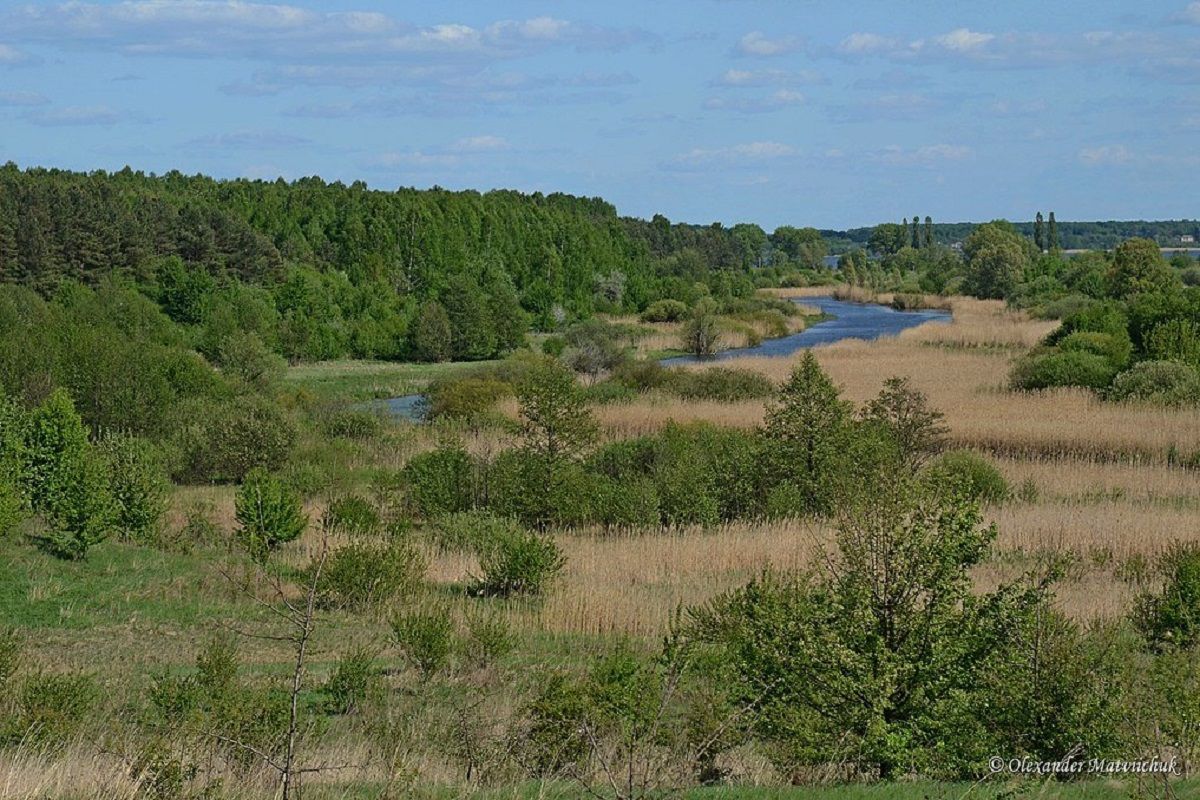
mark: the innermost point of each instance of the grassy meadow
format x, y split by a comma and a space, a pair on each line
1098, 483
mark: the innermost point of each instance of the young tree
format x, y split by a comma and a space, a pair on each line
1138, 266
807, 429
870, 661
269, 514
555, 421
702, 331
432, 339
65, 480
904, 413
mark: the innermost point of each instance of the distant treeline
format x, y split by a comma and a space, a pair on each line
1071, 235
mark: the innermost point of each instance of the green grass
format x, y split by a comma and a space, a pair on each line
356, 381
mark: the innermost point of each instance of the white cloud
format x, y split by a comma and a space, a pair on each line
865, 43
11, 56
745, 78
1191, 14
480, 144
963, 40
248, 140
926, 155
750, 153
1105, 155
781, 98
756, 43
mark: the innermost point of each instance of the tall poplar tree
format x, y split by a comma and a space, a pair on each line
1039, 232
1052, 234
916, 233
928, 232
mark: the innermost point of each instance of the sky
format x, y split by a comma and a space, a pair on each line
799, 112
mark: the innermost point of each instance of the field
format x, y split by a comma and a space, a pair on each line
1096, 482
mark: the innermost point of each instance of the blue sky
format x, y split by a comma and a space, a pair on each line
787, 112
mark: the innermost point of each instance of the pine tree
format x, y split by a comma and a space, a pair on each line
1039, 232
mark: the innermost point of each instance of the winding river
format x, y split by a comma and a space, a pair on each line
850, 321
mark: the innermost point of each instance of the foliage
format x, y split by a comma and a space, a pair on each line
1138, 266
904, 413
354, 679
970, 474
489, 637
807, 429
468, 398
440, 481
857, 665
702, 331
351, 514
1171, 616
225, 442
665, 311
1062, 368
362, 575
269, 514
723, 384
426, 638
51, 708
517, 562
138, 484
1164, 382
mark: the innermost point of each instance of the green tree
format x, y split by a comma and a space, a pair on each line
472, 335
268, 514
997, 257
918, 430
928, 232
1052, 234
65, 480
432, 338
1039, 233
807, 429
1138, 267
702, 332
888, 238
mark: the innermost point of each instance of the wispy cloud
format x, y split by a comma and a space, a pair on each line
22, 99
782, 98
755, 78
747, 154
248, 140
11, 56
927, 155
757, 43
76, 115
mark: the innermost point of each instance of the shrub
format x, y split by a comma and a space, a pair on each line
665, 311
14, 505
554, 731
360, 576
464, 398
349, 423
51, 708
554, 346
245, 357
269, 514
352, 514
517, 562
1171, 617
354, 680
440, 481
426, 639
642, 375
467, 531
970, 473
1105, 317
1056, 368
1064, 307
1116, 349
1164, 382
625, 503
12, 649
723, 384
1175, 340
225, 441
138, 484
489, 637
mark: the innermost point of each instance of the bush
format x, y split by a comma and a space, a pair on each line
1175, 340
352, 515
1116, 349
269, 514
489, 637
627, 503
1057, 368
467, 531
51, 708
665, 311
1167, 383
225, 441
348, 423
12, 650
554, 346
723, 384
642, 375
360, 576
517, 562
426, 639
354, 680
970, 473
1105, 317
138, 484
440, 481
464, 398
1171, 617
1064, 307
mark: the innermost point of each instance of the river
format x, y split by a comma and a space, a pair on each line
850, 321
